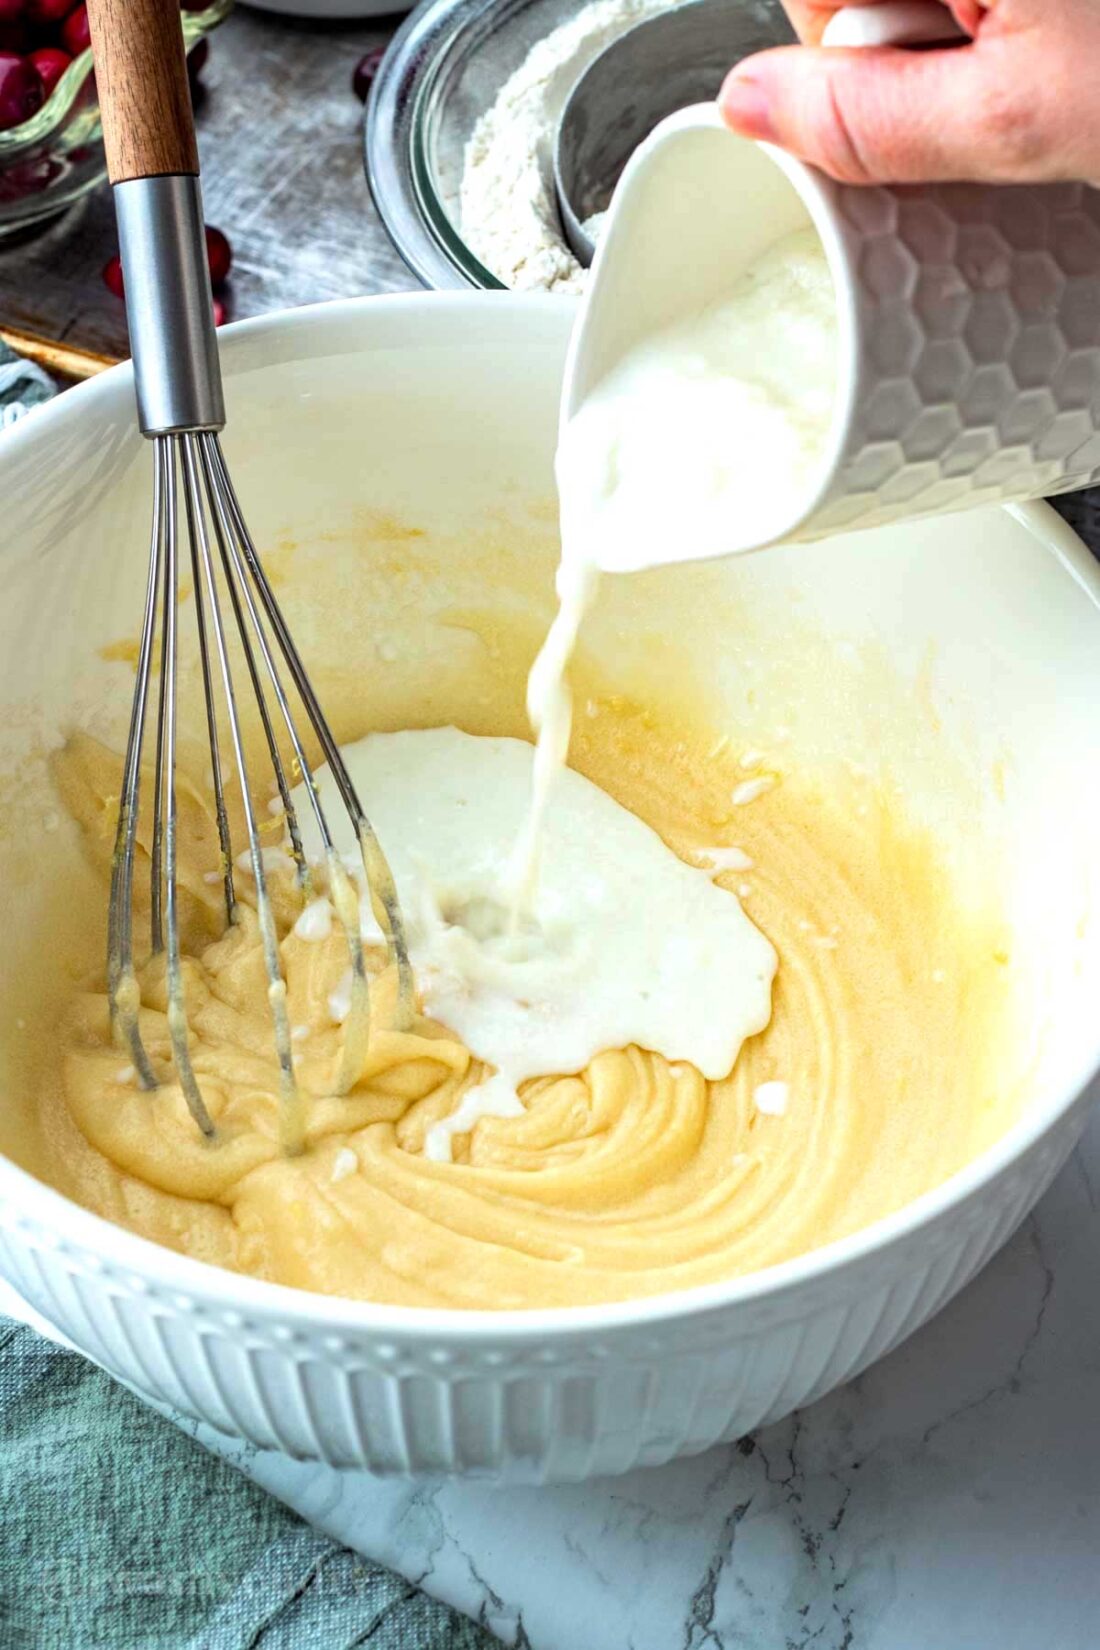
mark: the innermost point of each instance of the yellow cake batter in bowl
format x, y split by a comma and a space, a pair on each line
887, 1063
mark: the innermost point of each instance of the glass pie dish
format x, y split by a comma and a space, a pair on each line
445, 67
50, 160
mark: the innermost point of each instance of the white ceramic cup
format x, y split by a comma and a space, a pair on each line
968, 316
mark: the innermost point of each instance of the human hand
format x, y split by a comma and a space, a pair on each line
1015, 105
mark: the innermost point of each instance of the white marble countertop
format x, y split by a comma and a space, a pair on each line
949, 1499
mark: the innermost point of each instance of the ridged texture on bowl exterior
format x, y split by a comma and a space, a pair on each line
577, 1406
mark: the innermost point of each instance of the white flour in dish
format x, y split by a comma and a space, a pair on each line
508, 213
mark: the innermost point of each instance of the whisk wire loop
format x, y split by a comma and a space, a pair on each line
344, 899
166, 803
379, 879
122, 988
164, 594
225, 842
291, 1109
234, 580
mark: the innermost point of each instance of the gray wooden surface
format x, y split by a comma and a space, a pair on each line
280, 133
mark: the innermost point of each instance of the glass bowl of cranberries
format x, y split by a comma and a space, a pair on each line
51, 150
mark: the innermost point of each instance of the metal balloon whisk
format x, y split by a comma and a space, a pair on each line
238, 627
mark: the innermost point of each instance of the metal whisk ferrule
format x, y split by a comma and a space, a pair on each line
237, 622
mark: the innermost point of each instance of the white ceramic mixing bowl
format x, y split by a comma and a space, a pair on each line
348, 424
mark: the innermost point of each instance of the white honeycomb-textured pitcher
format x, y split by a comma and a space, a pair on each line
968, 315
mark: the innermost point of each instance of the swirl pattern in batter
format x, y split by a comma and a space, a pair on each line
884, 1067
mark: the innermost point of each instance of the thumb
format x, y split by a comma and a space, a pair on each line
891, 116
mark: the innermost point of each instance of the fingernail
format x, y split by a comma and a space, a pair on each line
745, 107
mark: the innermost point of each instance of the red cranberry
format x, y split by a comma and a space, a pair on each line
21, 93
12, 11
219, 312
51, 65
195, 5
43, 13
196, 57
365, 71
112, 276
219, 256
74, 32
28, 177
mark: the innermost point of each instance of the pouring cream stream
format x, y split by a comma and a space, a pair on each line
702, 424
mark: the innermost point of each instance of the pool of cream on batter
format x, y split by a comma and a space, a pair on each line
617, 942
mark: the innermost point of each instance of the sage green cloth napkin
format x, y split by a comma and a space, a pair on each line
118, 1532
23, 385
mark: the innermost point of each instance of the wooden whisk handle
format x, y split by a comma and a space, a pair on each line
144, 98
